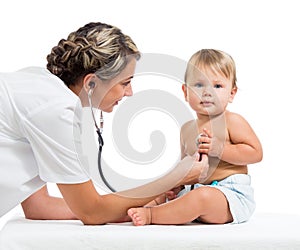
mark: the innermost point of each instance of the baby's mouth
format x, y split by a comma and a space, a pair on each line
206, 103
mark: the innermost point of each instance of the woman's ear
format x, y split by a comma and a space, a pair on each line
232, 94
184, 89
89, 82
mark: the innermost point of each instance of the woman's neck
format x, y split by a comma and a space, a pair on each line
75, 89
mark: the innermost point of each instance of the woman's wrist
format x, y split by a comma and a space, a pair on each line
192, 176
198, 172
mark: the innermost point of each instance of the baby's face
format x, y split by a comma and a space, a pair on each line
209, 93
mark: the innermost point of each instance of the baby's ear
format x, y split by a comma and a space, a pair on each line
232, 94
184, 89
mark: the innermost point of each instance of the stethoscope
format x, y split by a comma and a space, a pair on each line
200, 155
214, 183
100, 139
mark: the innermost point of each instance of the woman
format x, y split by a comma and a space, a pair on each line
37, 118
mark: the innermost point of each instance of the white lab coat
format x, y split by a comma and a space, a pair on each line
39, 124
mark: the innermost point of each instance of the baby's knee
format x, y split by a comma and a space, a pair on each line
204, 194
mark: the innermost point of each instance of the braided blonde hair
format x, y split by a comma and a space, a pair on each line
94, 48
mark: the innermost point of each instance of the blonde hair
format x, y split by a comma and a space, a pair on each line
94, 48
215, 60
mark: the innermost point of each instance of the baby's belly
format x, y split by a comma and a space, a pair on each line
221, 172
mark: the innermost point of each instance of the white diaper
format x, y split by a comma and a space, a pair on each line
239, 193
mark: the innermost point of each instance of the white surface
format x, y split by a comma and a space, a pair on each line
263, 231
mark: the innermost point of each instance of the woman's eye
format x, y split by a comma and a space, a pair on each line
125, 84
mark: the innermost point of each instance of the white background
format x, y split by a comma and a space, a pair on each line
262, 37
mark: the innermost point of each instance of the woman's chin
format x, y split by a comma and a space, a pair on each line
107, 110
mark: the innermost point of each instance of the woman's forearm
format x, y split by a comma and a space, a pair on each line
197, 170
41, 206
95, 209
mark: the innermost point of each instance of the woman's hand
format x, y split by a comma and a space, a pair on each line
172, 194
198, 172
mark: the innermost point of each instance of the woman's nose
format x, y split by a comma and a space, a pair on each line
128, 91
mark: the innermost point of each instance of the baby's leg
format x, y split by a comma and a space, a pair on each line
207, 204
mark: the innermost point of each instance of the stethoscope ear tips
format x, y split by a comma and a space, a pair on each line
92, 84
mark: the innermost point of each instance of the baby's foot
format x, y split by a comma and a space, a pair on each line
140, 216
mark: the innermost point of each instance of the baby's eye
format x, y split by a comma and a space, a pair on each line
198, 85
218, 86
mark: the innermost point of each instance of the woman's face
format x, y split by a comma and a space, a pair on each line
109, 93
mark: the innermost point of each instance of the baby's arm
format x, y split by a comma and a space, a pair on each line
243, 148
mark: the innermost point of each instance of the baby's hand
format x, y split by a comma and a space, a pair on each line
208, 144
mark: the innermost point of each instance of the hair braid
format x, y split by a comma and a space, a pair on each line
94, 48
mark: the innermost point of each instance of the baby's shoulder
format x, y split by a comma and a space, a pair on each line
232, 117
188, 125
